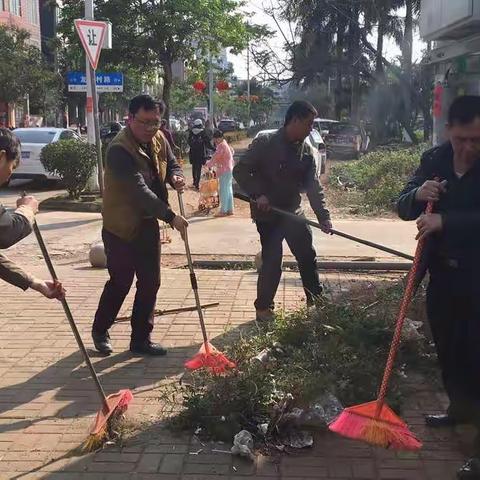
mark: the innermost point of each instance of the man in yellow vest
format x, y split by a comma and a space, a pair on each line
139, 164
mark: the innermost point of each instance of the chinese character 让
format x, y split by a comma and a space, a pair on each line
92, 37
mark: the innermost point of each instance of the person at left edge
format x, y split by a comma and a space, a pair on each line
139, 164
14, 226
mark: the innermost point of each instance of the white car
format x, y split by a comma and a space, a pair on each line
323, 125
314, 140
32, 141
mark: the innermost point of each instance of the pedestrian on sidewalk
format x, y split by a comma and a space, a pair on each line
139, 164
449, 176
222, 161
274, 171
17, 225
200, 147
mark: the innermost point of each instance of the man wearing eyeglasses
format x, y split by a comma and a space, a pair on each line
139, 164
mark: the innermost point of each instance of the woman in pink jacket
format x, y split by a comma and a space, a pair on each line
222, 161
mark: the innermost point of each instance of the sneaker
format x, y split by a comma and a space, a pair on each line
148, 348
102, 342
265, 316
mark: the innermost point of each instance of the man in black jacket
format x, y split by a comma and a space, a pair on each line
275, 171
449, 176
200, 146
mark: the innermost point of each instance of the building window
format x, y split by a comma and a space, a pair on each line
32, 12
15, 8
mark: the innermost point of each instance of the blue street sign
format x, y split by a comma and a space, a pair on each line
106, 82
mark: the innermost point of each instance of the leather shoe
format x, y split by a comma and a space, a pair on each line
470, 470
148, 348
438, 421
102, 342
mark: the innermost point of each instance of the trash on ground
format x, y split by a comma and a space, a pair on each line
410, 330
243, 445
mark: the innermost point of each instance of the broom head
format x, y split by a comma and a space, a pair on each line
117, 404
386, 430
210, 358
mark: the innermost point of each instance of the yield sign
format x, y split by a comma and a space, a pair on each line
91, 35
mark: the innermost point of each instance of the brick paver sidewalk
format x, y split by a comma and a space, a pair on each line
47, 399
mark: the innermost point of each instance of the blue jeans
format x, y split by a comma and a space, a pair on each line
226, 192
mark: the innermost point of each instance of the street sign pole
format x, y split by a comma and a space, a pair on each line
92, 36
96, 124
93, 183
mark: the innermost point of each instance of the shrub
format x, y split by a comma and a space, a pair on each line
73, 161
380, 175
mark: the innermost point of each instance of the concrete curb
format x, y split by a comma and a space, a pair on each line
64, 205
322, 265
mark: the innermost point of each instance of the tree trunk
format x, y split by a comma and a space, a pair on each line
339, 64
167, 88
355, 64
407, 46
379, 54
427, 101
407, 64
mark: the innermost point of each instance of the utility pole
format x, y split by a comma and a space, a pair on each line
27, 110
248, 86
94, 184
210, 88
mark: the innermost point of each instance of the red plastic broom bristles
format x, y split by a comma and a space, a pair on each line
375, 422
115, 406
208, 356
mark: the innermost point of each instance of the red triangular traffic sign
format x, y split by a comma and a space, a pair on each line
91, 34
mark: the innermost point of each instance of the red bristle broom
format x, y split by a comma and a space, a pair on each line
208, 356
375, 422
114, 405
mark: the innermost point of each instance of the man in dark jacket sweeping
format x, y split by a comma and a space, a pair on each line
274, 172
139, 164
449, 176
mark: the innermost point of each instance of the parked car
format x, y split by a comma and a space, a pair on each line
347, 139
323, 125
314, 140
32, 141
227, 125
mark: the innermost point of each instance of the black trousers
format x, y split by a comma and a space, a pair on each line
299, 239
453, 306
196, 173
141, 257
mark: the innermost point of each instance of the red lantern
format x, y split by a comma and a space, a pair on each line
222, 86
199, 85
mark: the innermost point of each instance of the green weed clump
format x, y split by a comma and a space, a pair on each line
379, 176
